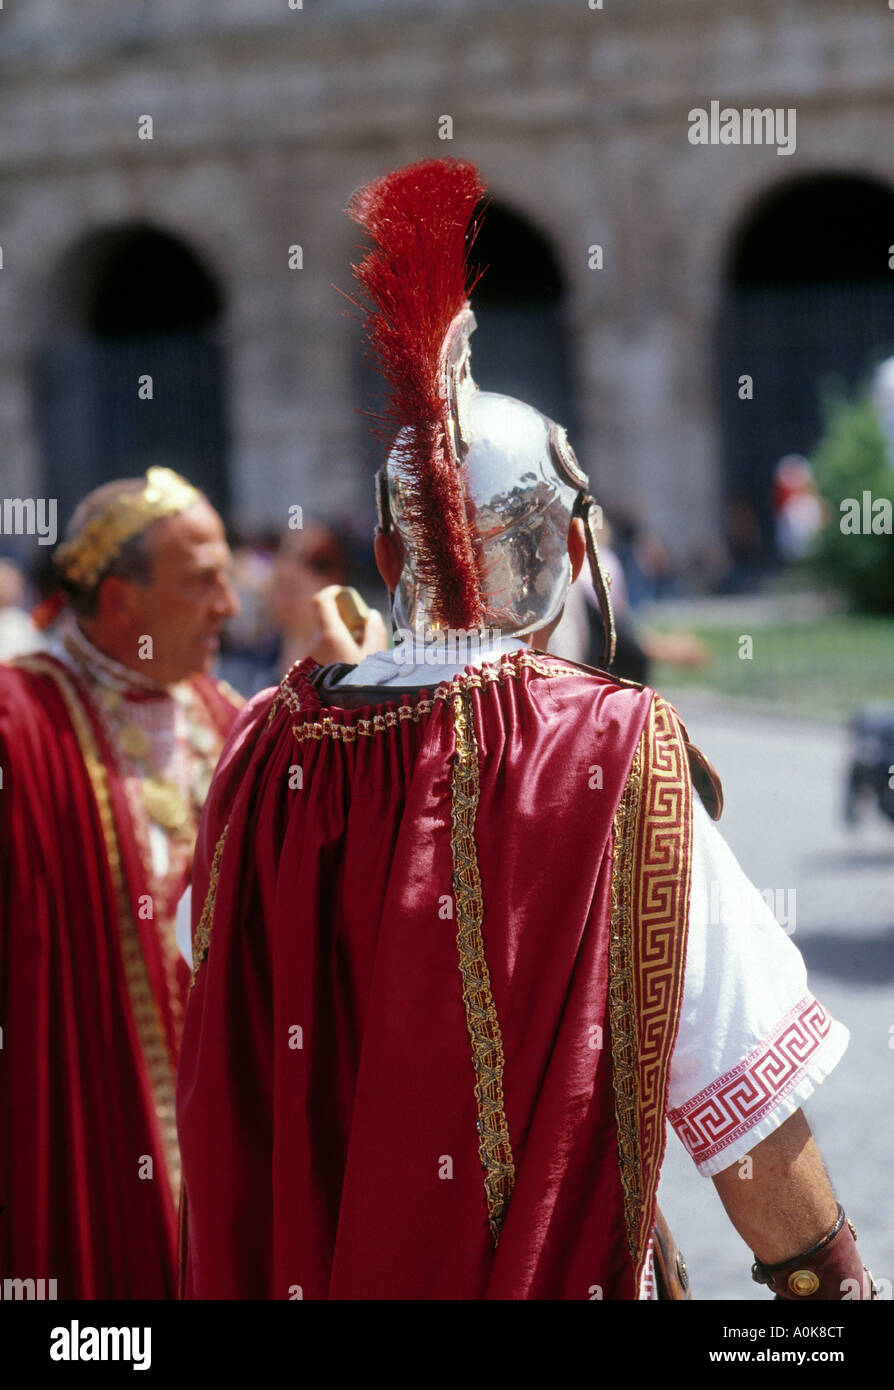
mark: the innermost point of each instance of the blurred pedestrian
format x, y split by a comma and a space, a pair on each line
798, 510
17, 632
307, 562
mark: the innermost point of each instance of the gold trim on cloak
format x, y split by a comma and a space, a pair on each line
494, 1146
510, 666
202, 938
144, 1006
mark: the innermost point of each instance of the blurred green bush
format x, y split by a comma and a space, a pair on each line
850, 459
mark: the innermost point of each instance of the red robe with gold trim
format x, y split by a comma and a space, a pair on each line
438, 953
90, 1004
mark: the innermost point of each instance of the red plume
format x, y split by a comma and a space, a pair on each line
417, 278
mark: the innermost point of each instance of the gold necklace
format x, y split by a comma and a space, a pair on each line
166, 803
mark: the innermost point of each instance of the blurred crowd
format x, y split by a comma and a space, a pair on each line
277, 575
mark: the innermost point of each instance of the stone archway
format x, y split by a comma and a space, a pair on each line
808, 303
129, 370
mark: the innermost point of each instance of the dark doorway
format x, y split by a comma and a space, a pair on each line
130, 303
520, 346
808, 307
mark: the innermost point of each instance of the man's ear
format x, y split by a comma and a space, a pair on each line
577, 546
388, 560
116, 600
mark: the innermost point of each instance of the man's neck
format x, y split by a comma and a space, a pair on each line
88, 646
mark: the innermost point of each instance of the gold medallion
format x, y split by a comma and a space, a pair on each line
133, 741
803, 1283
166, 803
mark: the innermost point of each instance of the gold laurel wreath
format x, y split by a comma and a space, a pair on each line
88, 555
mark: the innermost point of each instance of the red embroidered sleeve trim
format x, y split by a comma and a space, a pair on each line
741, 1098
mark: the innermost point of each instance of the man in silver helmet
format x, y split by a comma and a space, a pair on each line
451, 960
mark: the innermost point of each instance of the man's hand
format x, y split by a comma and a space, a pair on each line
333, 641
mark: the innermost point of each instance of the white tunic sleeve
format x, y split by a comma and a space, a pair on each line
753, 1041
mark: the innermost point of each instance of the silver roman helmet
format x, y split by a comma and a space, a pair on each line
522, 484
479, 487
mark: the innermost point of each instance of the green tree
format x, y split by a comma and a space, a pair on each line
851, 458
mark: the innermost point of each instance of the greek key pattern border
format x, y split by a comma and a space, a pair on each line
737, 1101
650, 906
622, 1001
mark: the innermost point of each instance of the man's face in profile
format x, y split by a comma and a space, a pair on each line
190, 597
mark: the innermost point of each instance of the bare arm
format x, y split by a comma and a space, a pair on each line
787, 1204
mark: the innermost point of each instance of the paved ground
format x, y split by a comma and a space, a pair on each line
783, 779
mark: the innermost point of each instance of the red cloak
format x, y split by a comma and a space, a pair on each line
90, 1039
438, 956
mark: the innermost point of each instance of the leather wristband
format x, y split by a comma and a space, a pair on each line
829, 1270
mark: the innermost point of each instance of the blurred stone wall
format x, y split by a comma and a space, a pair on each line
266, 117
